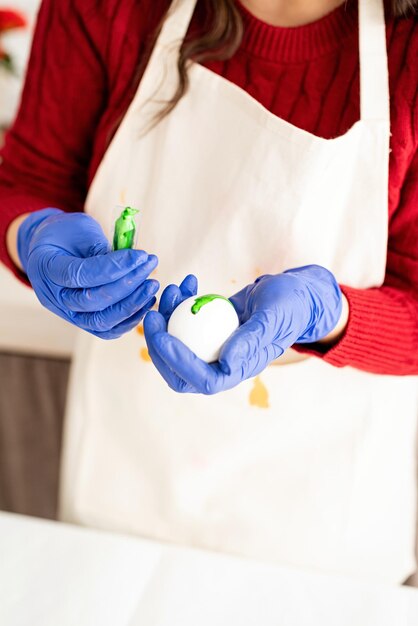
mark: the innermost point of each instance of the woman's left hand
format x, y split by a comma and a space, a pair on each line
301, 305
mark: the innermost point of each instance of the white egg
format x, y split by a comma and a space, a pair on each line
205, 330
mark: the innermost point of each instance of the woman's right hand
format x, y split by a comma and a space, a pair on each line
74, 273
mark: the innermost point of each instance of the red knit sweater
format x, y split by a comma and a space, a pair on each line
80, 82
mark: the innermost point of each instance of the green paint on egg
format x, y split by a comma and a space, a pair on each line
203, 300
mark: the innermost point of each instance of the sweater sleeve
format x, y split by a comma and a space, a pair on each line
46, 155
382, 332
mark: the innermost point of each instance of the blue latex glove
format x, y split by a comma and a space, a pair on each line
301, 305
69, 263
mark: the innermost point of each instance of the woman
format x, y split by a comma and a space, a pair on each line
263, 170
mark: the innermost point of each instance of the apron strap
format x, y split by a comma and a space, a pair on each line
374, 74
177, 22
160, 79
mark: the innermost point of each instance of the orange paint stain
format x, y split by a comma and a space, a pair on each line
122, 197
233, 281
140, 330
144, 354
259, 396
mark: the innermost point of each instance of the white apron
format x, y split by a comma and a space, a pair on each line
307, 465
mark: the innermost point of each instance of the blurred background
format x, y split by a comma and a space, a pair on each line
35, 347
15, 40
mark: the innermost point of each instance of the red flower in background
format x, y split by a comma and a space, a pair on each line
9, 20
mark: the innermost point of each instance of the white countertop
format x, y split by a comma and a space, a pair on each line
26, 326
57, 575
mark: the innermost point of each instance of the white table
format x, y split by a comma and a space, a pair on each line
57, 575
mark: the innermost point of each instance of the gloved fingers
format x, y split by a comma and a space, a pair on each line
100, 298
200, 377
115, 332
170, 299
129, 324
172, 295
99, 247
155, 323
189, 286
247, 341
102, 321
205, 378
75, 272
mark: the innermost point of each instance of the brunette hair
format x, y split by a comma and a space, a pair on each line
223, 35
